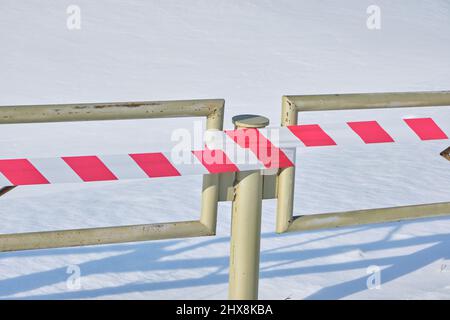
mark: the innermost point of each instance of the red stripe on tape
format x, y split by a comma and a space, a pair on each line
21, 172
155, 165
215, 161
265, 151
89, 168
312, 135
370, 132
426, 128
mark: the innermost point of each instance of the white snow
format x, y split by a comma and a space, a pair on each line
250, 53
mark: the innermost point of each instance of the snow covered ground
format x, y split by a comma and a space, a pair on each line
250, 53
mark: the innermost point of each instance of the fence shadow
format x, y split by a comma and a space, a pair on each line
152, 256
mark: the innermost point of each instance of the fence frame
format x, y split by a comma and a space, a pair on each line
216, 187
212, 109
292, 105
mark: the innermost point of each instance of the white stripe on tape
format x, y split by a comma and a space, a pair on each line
189, 166
341, 134
243, 158
55, 170
369, 132
123, 167
3, 181
283, 139
399, 131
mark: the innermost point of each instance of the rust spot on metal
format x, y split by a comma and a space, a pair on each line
102, 107
126, 105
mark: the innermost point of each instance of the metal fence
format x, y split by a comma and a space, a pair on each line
245, 189
213, 110
293, 105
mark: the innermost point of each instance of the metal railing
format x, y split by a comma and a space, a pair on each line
246, 189
213, 110
293, 105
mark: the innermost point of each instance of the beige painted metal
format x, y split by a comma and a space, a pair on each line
213, 110
291, 105
226, 189
286, 176
210, 199
250, 121
270, 185
285, 204
226, 180
352, 218
211, 182
369, 100
246, 225
95, 236
245, 236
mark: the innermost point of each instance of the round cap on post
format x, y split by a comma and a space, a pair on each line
250, 121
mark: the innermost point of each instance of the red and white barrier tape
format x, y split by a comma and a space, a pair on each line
229, 151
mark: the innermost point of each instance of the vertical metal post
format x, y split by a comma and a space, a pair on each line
246, 225
210, 189
286, 176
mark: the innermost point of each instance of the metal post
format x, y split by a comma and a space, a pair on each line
210, 188
286, 176
246, 225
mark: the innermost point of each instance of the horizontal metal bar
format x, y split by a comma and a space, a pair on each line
370, 100
96, 236
359, 217
110, 111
